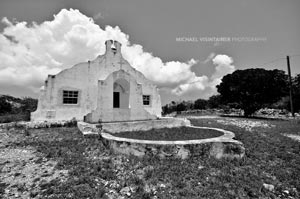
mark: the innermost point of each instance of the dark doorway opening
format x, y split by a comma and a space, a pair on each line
116, 100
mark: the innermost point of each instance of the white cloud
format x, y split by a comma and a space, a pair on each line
29, 52
224, 66
222, 60
203, 84
195, 84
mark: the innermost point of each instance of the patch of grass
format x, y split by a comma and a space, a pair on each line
2, 187
270, 158
171, 134
68, 147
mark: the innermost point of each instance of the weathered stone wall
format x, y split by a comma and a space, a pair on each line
219, 147
84, 77
216, 150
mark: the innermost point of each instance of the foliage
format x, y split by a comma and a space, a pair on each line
296, 89
177, 107
5, 107
28, 104
181, 107
214, 101
249, 89
94, 172
16, 109
200, 104
284, 102
165, 109
253, 88
297, 82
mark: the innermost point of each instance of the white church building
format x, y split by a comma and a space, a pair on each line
106, 89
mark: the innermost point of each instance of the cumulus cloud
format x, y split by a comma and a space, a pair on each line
204, 84
29, 52
224, 66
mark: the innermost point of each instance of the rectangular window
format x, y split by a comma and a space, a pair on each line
146, 100
70, 97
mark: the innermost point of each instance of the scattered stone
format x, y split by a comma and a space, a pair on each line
147, 188
162, 185
217, 150
286, 192
292, 136
245, 124
183, 153
22, 172
125, 191
227, 150
140, 173
269, 187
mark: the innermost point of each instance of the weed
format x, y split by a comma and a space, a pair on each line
2, 187
270, 158
171, 134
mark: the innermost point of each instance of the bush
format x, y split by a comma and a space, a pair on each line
5, 107
14, 118
15, 109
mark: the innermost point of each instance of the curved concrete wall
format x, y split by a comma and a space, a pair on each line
218, 147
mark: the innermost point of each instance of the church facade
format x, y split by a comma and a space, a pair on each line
106, 89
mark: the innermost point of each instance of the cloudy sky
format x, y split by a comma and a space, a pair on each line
185, 47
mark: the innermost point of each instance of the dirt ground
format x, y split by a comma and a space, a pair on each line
23, 169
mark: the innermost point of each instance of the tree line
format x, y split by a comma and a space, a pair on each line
248, 90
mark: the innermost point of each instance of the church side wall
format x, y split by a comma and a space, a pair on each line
51, 105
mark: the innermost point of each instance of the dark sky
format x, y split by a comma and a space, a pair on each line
156, 24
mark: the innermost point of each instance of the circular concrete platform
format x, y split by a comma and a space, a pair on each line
219, 147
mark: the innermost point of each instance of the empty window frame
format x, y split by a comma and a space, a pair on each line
70, 97
146, 100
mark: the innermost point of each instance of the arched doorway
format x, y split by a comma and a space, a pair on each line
121, 94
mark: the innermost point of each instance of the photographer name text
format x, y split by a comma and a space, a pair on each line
221, 39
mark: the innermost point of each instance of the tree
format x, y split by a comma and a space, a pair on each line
29, 104
253, 88
297, 82
181, 106
214, 101
200, 104
296, 89
5, 107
